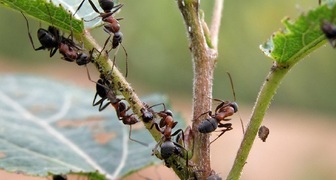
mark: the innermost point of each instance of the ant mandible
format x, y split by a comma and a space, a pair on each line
111, 25
104, 91
222, 111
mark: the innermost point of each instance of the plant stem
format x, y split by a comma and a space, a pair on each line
204, 54
104, 66
264, 98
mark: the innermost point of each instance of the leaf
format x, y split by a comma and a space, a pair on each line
86, 12
47, 12
299, 37
49, 127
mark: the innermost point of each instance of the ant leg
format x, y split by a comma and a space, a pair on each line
29, 35
115, 57
228, 128
126, 55
156, 126
80, 5
208, 112
117, 8
130, 137
108, 14
155, 151
52, 52
163, 104
94, 7
101, 107
107, 40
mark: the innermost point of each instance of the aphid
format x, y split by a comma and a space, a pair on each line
223, 110
263, 133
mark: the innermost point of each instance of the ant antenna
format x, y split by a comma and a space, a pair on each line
234, 98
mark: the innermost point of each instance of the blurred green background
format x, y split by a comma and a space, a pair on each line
159, 58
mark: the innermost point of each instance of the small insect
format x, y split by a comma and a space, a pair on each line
329, 31
52, 41
105, 92
111, 25
49, 39
263, 133
165, 126
223, 110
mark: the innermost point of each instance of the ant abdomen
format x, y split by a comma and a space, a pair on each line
46, 39
106, 5
208, 125
167, 149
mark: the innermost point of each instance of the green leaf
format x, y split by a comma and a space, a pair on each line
299, 37
49, 127
48, 12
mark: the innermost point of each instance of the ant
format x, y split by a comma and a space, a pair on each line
329, 31
52, 41
222, 111
111, 25
168, 147
104, 91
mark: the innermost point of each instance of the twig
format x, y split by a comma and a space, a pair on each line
204, 55
265, 96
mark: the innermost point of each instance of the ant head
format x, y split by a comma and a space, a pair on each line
234, 105
121, 107
106, 5
117, 39
169, 112
83, 59
146, 115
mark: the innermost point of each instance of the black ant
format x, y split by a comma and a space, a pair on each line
52, 41
168, 147
222, 111
111, 25
329, 31
106, 93
49, 39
